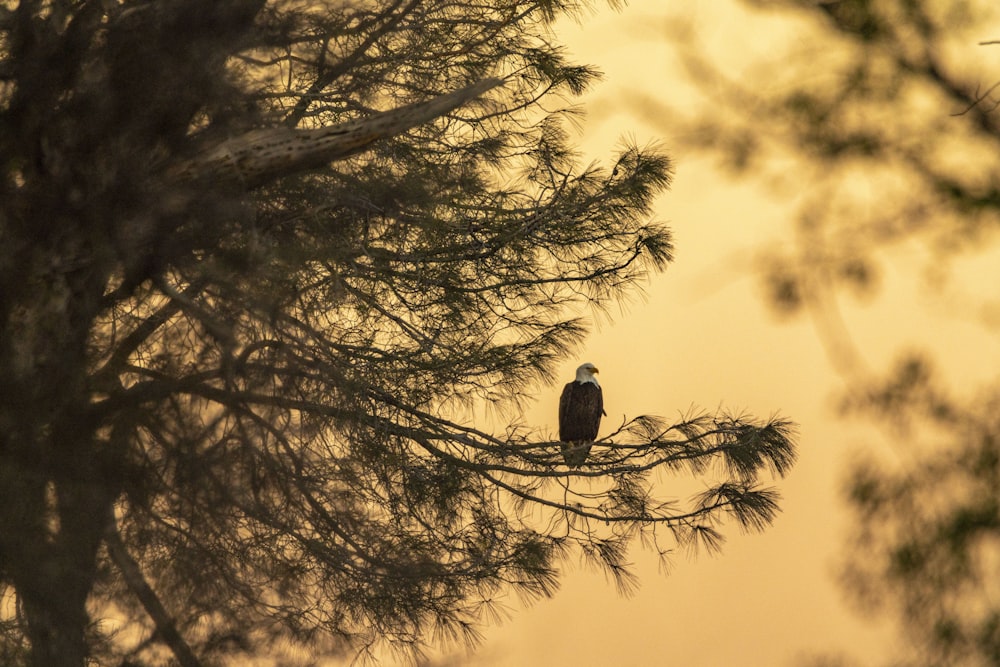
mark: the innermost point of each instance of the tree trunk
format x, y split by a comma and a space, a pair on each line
56, 620
54, 573
57, 479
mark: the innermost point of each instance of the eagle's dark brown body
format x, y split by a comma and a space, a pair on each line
580, 409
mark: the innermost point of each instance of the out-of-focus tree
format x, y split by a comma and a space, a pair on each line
927, 537
880, 125
877, 125
242, 313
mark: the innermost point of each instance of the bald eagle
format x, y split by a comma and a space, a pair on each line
580, 408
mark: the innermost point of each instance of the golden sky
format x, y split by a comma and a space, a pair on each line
703, 338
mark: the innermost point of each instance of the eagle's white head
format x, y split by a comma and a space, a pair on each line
587, 373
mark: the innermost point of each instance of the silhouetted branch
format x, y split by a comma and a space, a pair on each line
136, 582
979, 99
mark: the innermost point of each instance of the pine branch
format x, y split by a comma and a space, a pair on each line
261, 156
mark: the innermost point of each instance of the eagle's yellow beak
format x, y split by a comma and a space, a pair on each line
594, 370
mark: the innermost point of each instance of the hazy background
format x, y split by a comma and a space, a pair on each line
704, 337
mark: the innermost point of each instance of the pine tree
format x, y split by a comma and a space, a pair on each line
256, 258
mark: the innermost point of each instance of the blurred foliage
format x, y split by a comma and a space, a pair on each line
878, 122
926, 541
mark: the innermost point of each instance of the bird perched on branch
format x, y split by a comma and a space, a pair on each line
581, 407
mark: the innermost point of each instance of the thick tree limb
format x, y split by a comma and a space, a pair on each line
137, 583
261, 156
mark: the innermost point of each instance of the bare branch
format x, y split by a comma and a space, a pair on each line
136, 582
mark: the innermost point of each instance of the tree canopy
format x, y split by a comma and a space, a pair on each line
256, 259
